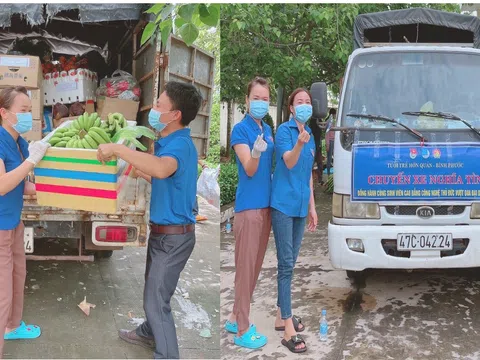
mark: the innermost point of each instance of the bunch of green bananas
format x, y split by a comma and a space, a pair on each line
73, 139
114, 124
87, 121
88, 132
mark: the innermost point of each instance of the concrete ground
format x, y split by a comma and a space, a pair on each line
115, 286
427, 315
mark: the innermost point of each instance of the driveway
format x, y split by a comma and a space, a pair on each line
115, 286
424, 315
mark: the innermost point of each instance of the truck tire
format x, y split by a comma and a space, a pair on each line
103, 254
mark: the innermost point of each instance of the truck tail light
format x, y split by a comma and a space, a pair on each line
115, 234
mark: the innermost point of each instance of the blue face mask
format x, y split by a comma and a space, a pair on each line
154, 120
258, 109
24, 123
303, 113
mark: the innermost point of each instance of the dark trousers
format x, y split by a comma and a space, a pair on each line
329, 156
166, 258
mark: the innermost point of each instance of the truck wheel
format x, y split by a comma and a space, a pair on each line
358, 277
103, 254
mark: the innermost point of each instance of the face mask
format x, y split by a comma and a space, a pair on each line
154, 120
303, 113
258, 109
24, 123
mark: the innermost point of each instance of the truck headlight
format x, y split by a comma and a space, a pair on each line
475, 211
342, 207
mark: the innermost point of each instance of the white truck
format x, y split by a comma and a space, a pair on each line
117, 29
406, 183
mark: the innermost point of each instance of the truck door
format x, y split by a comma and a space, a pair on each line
196, 66
154, 64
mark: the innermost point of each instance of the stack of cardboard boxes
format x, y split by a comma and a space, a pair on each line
25, 71
66, 88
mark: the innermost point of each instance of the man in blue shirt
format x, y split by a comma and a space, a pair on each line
172, 171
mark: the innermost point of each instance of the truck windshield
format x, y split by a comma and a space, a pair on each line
390, 83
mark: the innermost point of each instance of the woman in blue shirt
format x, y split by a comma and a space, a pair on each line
252, 142
292, 201
17, 160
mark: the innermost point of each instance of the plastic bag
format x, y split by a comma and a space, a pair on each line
121, 85
208, 187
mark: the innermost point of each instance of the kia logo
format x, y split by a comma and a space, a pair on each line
425, 212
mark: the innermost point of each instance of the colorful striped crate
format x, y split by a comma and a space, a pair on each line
75, 179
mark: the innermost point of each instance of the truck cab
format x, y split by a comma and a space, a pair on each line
406, 193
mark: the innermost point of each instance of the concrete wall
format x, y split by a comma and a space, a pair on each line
237, 117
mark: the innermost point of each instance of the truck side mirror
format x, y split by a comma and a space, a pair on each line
319, 100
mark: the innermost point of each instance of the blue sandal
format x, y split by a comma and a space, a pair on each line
23, 332
231, 327
251, 339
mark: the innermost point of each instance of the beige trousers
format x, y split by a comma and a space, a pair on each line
13, 270
251, 230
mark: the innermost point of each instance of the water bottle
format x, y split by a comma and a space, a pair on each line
228, 227
323, 326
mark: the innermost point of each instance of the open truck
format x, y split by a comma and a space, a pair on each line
407, 148
114, 30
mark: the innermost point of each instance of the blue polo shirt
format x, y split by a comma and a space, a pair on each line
253, 192
173, 198
11, 204
291, 188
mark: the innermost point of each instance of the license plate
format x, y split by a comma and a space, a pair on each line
408, 242
28, 240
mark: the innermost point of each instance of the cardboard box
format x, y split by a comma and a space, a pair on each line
20, 71
90, 106
128, 108
37, 103
66, 88
36, 133
75, 179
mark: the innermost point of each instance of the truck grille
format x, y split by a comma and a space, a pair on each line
411, 210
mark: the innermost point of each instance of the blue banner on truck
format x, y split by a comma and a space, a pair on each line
386, 172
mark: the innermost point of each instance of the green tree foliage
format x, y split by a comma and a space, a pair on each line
228, 180
209, 40
291, 44
188, 20
213, 157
